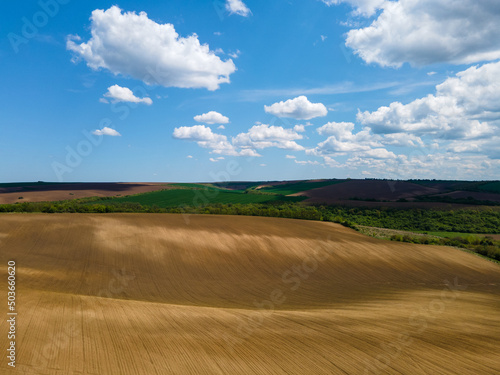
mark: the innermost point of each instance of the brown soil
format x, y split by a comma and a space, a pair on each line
172, 294
367, 189
476, 195
56, 192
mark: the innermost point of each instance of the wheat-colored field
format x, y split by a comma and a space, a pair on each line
170, 294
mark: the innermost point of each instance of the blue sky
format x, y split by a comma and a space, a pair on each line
109, 91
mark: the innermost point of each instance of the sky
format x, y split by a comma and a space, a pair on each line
231, 90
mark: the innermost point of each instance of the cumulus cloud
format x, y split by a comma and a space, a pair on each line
237, 7
264, 136
212, 117
205, 138
466, 106
244, 144
290, 157
106, 131
307, 162
402, 140
338, 129
364, 7
423, 32
299, 128
299, 108
379, 153
213, 160
133, 45
342, 140
124, 94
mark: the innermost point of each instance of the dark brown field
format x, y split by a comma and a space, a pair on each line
169, 294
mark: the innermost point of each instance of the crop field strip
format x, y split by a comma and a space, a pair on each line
190, 287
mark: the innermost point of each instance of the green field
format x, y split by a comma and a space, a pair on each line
297, 187
199, 197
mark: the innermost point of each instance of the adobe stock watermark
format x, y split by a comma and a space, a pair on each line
117, 284
291, 279
419, 321
57, 345
220, 8
31, 26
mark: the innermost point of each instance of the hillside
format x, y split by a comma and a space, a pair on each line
160, 293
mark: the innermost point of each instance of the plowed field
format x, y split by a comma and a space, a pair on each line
173, 294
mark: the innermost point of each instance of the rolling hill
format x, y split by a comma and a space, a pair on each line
177, 294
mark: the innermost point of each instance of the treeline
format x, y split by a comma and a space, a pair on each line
447, 199
485, 220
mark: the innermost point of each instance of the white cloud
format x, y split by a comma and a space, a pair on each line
244, 144
221, 127
123, 94
263, 165
106, 131
235, 55
189, 157
364, 7
290, 157
213, 160
299, 108
212, 117
343, 141
464, 107
423, 32
338, 129
379, 153
299, 128
264, 136
205, 138
307, 162
249, 152
237, 7
133, 45
402, 140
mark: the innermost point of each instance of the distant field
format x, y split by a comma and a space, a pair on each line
297, 187
49, 191
189, 197
135, 294
493, 187
353, 193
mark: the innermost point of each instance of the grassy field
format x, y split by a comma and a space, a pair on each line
152, 294
197, 197
297, 187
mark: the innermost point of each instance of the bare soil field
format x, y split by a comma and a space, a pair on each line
367, 189
175, 294
476, 195
56, 192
